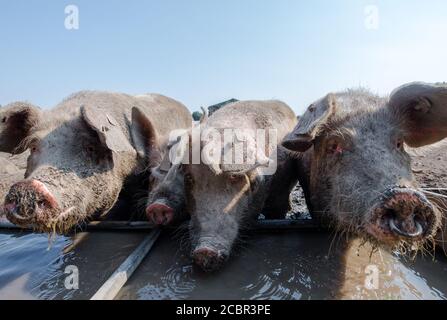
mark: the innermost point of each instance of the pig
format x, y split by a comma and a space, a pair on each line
222, 198
85, 151
354, 167
165, 204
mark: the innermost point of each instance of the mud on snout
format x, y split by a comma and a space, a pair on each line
209, 254
30, 203
402, 216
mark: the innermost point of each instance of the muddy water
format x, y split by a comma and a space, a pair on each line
289, 266
265, 266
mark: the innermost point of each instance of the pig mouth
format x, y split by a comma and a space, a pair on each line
40, 212
43, 221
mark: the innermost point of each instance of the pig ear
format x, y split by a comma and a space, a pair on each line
17, 121
144, 135
108, 129
422, 107
309, 125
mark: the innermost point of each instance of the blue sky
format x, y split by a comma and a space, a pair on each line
205, 51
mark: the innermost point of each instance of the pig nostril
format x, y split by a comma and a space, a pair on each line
395, 222
394, 227
41, 204
387, 216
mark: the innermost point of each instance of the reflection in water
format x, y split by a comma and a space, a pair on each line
287, 265
290, 266
397, 277
31, 269
26, 261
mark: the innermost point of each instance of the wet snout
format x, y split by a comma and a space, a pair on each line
160, 213
403, 213
209, 259
29, 202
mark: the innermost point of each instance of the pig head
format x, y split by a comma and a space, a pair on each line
358, 175
84, 152
223, 197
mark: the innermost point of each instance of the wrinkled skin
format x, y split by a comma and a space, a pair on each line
85, 151
221, 200
356, 173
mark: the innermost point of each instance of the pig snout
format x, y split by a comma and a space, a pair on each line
209, 259
160, 213
29, 202
403, 213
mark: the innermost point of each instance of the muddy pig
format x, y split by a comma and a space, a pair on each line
355, 170
222, 197
85, 151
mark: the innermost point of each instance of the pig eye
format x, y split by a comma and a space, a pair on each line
4, 119
34, 149
90, 149
33, 146
400, 144
188, 178
334, 147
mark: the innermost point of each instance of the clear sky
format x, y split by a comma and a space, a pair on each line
202, 52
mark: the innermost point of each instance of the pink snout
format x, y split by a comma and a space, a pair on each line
29, 201
160, 214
